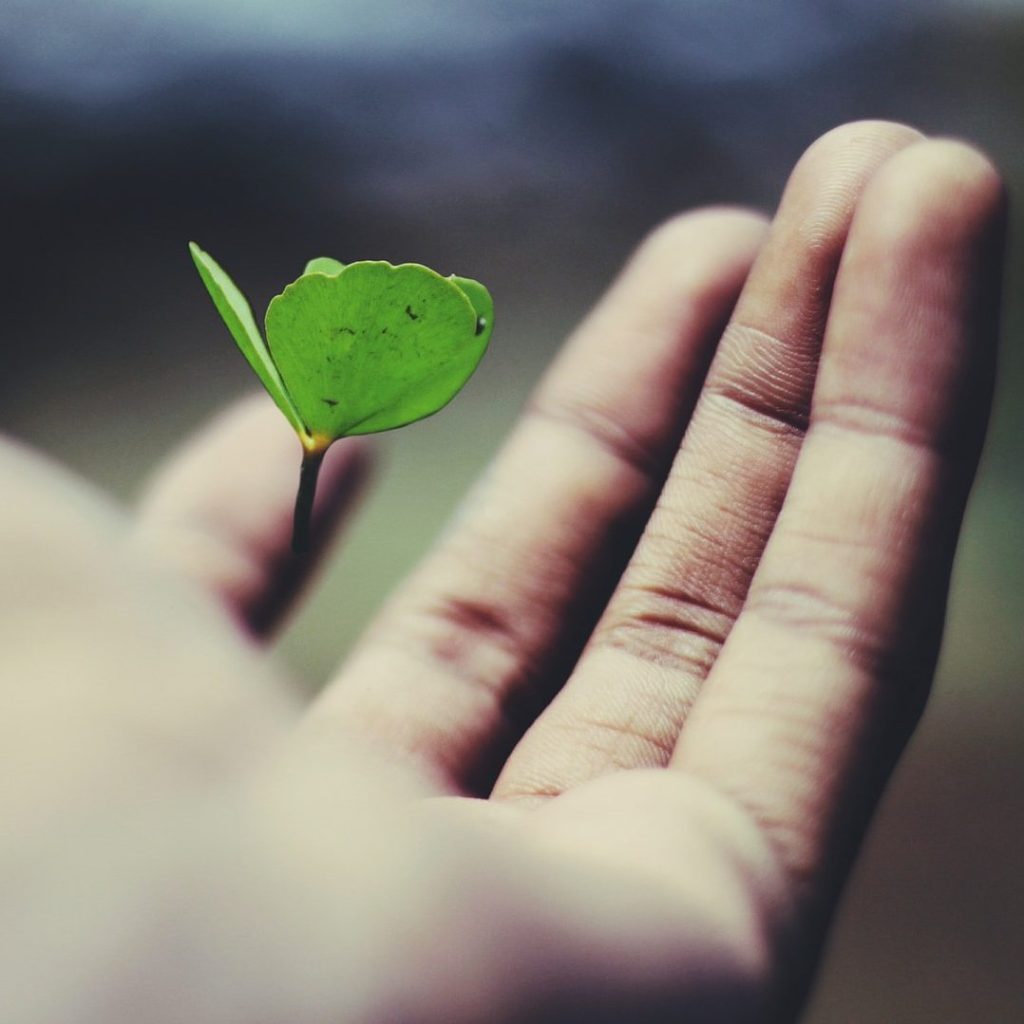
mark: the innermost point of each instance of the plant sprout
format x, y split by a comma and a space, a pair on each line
355, 349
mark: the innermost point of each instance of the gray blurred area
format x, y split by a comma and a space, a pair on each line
530, 144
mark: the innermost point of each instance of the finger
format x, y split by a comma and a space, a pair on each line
821, 681
492, 621
220, 510
119, 686
665, 624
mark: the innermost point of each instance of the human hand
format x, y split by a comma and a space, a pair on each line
649, 691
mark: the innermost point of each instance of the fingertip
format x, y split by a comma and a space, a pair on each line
917, 309
853, 141
944, 188
700, 237
220, 510
678, 232
692, 264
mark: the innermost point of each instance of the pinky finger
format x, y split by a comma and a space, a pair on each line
220, 510
822, 678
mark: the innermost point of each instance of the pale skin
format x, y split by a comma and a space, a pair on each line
609, 752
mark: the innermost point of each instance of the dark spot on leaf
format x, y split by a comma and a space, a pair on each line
344, 330
383, 330
332, 402
410, 314
481, 323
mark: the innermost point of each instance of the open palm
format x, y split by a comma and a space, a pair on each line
641, 699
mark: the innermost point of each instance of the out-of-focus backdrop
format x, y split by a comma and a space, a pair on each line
530, 144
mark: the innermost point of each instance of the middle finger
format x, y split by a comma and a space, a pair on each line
489, 625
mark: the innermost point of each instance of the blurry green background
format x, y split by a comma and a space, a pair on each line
530, 144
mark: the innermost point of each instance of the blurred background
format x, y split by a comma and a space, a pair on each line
530, 144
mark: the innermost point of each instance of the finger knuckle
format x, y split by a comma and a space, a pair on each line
813, 610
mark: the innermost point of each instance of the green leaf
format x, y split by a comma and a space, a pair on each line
237, 315
323, 265
376, 346
480, 298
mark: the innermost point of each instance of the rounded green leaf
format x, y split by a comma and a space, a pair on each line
481, 301
375, 346
323, 265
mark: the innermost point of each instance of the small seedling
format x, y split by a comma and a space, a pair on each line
355, 349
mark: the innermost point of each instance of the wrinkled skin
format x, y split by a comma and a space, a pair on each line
608, 754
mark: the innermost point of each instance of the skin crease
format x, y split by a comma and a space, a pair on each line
610, 751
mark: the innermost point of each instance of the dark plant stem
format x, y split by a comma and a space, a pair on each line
308, 474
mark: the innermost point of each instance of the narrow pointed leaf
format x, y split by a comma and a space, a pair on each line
376, 346
324, 265
237, 315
